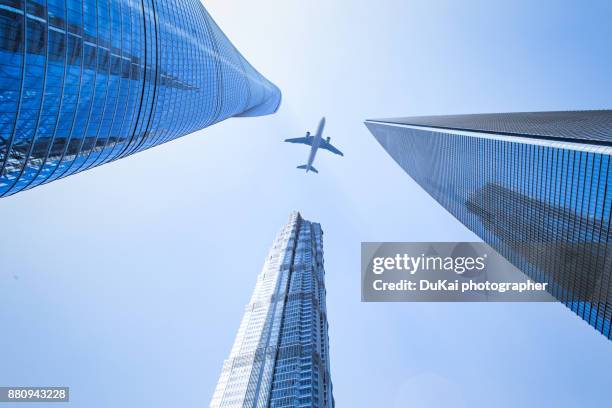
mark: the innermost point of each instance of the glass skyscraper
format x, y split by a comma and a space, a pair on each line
537, 187
280, 357
85, 82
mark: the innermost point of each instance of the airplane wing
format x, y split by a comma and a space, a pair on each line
303, 140
328, 146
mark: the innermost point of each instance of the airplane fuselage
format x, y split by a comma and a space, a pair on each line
315, 143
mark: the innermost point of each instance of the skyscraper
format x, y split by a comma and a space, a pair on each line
280, 357
537, 187
86, 82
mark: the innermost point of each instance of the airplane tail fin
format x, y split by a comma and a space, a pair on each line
306, 167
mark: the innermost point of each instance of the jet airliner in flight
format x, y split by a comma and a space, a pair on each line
315, 142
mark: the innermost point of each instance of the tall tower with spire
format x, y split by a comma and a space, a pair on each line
280, 357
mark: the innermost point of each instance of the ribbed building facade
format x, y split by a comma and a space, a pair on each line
86, 82
280, 357
537, 187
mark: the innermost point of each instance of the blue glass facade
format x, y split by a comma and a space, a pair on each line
280, 356
86, 82
537, 187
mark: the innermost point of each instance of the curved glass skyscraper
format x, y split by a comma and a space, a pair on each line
85, 82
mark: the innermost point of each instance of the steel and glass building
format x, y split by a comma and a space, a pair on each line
280, 357
537, 187
85, 82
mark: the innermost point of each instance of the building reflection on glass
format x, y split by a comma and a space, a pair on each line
86, 82
534, 186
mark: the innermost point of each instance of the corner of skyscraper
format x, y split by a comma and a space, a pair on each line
86, 82
535, 186
280, 357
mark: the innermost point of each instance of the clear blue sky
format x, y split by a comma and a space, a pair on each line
127, 282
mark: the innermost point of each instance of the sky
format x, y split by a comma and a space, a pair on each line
127, 282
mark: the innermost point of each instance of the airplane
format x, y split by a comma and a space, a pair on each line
315, 142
